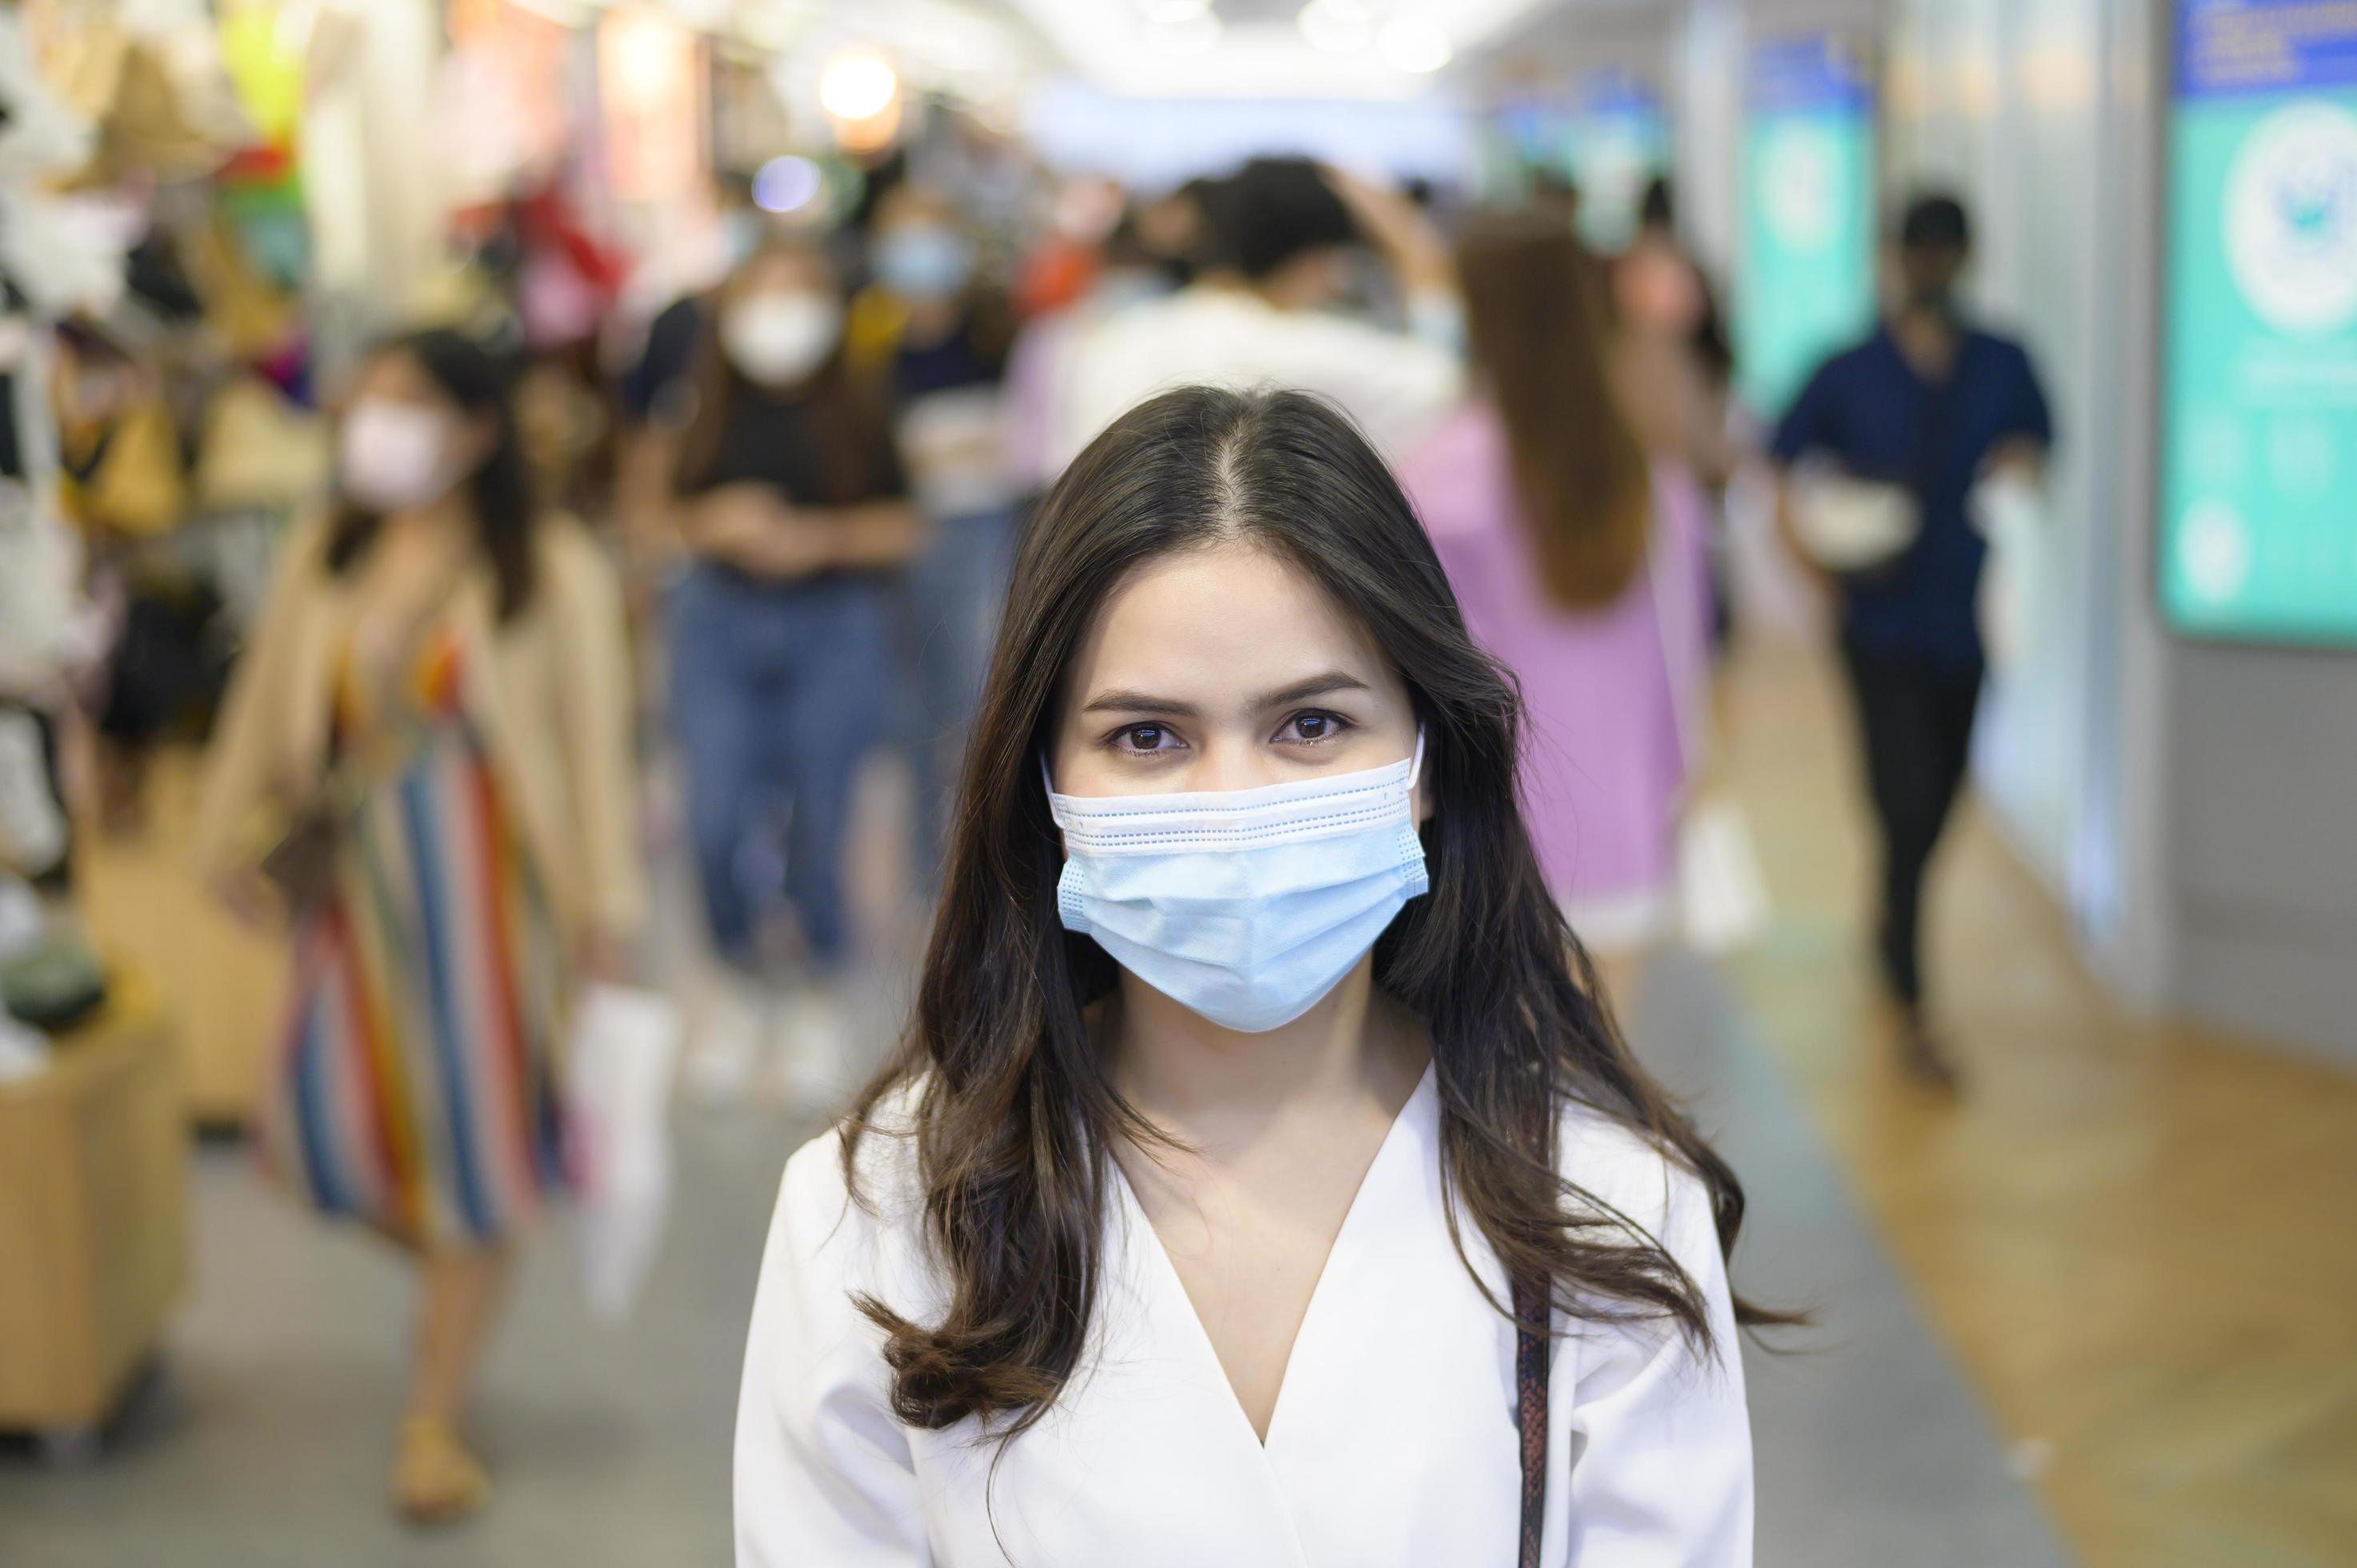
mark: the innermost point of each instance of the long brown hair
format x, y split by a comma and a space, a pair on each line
1012, 1109
846, 411
1536, 325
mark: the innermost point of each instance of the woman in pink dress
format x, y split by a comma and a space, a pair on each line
1581, 565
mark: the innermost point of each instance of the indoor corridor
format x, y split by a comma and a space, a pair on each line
2070, 1210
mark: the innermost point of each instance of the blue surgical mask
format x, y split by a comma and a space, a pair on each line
928, 261
1245, 905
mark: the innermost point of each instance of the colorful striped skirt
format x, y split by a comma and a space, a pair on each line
418, 1090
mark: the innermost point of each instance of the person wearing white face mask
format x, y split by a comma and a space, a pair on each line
790, 499
423, 769
1260, 1181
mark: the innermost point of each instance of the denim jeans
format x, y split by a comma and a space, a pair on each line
778, 691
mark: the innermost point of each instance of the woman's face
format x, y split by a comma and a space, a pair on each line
404, 441
781, 319
1225, 669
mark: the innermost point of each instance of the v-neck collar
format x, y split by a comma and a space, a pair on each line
1401, 1142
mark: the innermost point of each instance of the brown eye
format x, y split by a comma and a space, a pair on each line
1314, 727
1143, 738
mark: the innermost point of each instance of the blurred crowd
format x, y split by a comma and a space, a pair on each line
806, 440
439, 595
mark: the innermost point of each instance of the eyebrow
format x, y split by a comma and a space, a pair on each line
1327, 684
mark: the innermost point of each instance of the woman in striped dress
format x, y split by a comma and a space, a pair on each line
439, 674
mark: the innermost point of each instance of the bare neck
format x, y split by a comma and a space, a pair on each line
1927, 341
1215, 1087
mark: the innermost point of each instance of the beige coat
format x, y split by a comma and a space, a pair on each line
550, 692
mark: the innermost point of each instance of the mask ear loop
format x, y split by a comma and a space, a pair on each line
1414, 767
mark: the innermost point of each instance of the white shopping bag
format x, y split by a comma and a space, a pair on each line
2009, 510
625, 1044
1722, 893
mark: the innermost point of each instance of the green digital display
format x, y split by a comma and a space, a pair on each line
2259, 526
1804, 272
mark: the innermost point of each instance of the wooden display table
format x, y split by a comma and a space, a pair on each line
94, 1217
141, 902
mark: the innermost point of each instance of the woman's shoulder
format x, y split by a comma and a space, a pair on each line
861, 1219
1635, 1175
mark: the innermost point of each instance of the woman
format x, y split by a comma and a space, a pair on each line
1139, 1252
791, 503
428, 740
1582, 566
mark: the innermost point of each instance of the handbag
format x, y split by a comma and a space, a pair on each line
1534, 1350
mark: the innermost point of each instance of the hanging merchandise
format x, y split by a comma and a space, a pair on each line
32, 823
261, 187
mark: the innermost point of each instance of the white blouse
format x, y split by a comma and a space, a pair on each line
1392, 1443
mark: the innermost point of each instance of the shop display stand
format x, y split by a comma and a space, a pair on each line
94, 1224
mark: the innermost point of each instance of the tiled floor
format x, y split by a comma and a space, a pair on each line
2141, 1240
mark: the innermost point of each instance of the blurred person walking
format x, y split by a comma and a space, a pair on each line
791, 501
1039, 368
1581, 564
1678, 366
426, 746
948, 334
1925, 409
1276, 260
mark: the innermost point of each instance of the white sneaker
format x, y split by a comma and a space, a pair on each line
810, 1053
726, 1048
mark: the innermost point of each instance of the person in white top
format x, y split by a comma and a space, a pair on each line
1260, 313
1261, 1182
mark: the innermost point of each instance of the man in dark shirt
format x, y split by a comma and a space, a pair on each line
1933, 406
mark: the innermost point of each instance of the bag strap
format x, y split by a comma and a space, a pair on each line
1533, 1349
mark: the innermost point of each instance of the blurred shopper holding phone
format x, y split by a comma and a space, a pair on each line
1883, 457
790, 498
426, 749
1582, 565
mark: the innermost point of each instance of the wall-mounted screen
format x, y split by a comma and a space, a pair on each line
1804, 270
2259, 415
1619, 141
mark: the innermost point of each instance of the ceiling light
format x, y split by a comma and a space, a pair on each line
1198, 34
786, 184
857, 85
1338, 25
1414, 43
